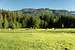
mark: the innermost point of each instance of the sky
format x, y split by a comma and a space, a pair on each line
52, 4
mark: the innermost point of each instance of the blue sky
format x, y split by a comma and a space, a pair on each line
53, 4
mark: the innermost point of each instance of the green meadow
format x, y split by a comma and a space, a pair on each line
37, 39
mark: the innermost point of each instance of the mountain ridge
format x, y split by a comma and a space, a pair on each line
44, 10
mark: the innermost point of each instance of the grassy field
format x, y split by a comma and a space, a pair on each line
37, 39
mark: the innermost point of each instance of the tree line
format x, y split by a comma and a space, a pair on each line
45, 19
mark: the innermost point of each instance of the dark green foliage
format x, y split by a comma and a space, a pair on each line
36, 18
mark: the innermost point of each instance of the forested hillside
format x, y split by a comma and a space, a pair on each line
37, 18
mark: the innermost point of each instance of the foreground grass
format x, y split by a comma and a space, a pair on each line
37, 39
